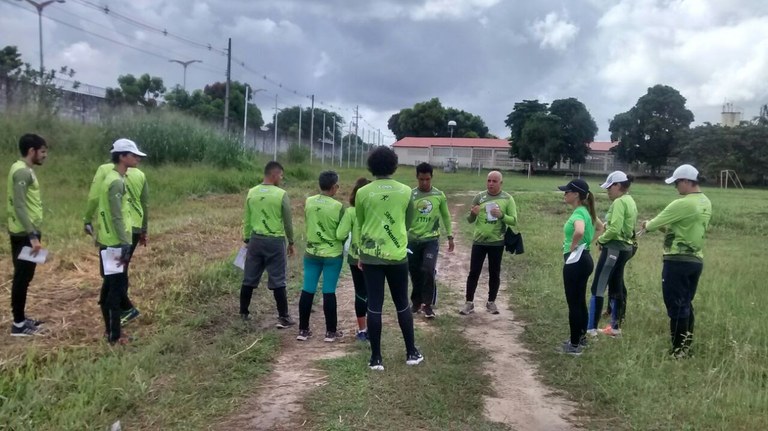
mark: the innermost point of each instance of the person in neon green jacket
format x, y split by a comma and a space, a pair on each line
492, 212
323, 255
349, 228
25, 219
684, 223
138, 197
384, 211
114, 231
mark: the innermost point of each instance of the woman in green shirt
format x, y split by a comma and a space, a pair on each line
616, 248
579, 230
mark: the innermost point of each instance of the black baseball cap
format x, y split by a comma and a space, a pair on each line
576, 185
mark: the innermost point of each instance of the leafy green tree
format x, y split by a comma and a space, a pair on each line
288, 122
430, 118
651, 131
144, 91
542, 139
577, 127
208, 104
521, 113
18, 78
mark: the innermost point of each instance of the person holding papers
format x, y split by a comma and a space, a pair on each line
138, 196
114, 233
579, 230
492, 212
25, 217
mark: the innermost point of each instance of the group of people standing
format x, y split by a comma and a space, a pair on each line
118, 199
684, 223
391, 231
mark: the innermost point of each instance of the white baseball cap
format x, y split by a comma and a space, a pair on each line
126, 146
683, 172
613, 178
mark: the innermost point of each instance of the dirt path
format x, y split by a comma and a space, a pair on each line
521, 400
277, 404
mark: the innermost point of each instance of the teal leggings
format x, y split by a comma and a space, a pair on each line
330, 267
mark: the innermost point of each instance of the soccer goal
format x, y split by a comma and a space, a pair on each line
729, 176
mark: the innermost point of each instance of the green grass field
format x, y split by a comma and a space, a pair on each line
180, 374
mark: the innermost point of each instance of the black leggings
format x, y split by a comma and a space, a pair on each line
609, 275
125, 303
575, 277
494, 252
23, 272
361, 293
397, 278
113, 291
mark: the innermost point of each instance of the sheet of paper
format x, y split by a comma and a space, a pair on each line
240, 258
575, 255
111, 261
488, 208
26, 254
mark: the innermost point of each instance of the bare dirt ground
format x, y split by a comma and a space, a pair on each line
521, 401
277, 403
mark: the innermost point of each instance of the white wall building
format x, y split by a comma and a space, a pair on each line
469, 152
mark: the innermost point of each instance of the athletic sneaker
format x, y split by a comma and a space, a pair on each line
330, 337
361, 336
129, 315
26, 330
414, 358
570, 349
415, 308
491, 307
304, 334
468, 308
122, 341
592, 332
428, 312
33, 322
376, 364
245, 317
284, 322
608, 330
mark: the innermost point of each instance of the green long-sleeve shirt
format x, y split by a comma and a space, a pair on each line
686, 221
430, 208
384, 212
322, 216
138, 195
491, 232
114, 212
267, 213
349, 225
25, 206
620, 223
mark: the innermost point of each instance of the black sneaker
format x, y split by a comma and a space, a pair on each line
330, 337
415, 308
304, 334
284, 322
25, 331
129, 316
376, 364
33, 322
428, 312
414, 358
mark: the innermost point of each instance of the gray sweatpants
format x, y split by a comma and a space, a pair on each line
265, 254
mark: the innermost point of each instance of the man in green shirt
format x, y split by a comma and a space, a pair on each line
492, 212
25, 218
684, 223
267, 224
138, 198
322, 215
384, 212
114, 231
431, 207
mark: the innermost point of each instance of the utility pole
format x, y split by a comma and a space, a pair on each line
245, 115
226, 91
349, 145
322, 151
275, 157
334, 142
299, 125
312, 129
357, 120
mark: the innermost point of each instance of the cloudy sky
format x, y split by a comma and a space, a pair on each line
481, 56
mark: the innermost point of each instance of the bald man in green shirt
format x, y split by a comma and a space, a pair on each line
684, 223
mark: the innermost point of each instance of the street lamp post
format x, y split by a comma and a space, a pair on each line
40, 6
185, 64
451, 125
245, 115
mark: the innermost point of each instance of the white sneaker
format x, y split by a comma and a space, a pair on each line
592, 332
468, 308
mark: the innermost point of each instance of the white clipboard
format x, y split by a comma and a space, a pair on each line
111, 264
240, 258
26, 254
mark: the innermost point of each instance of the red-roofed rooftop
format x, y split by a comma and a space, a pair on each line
413, 142
602, 146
